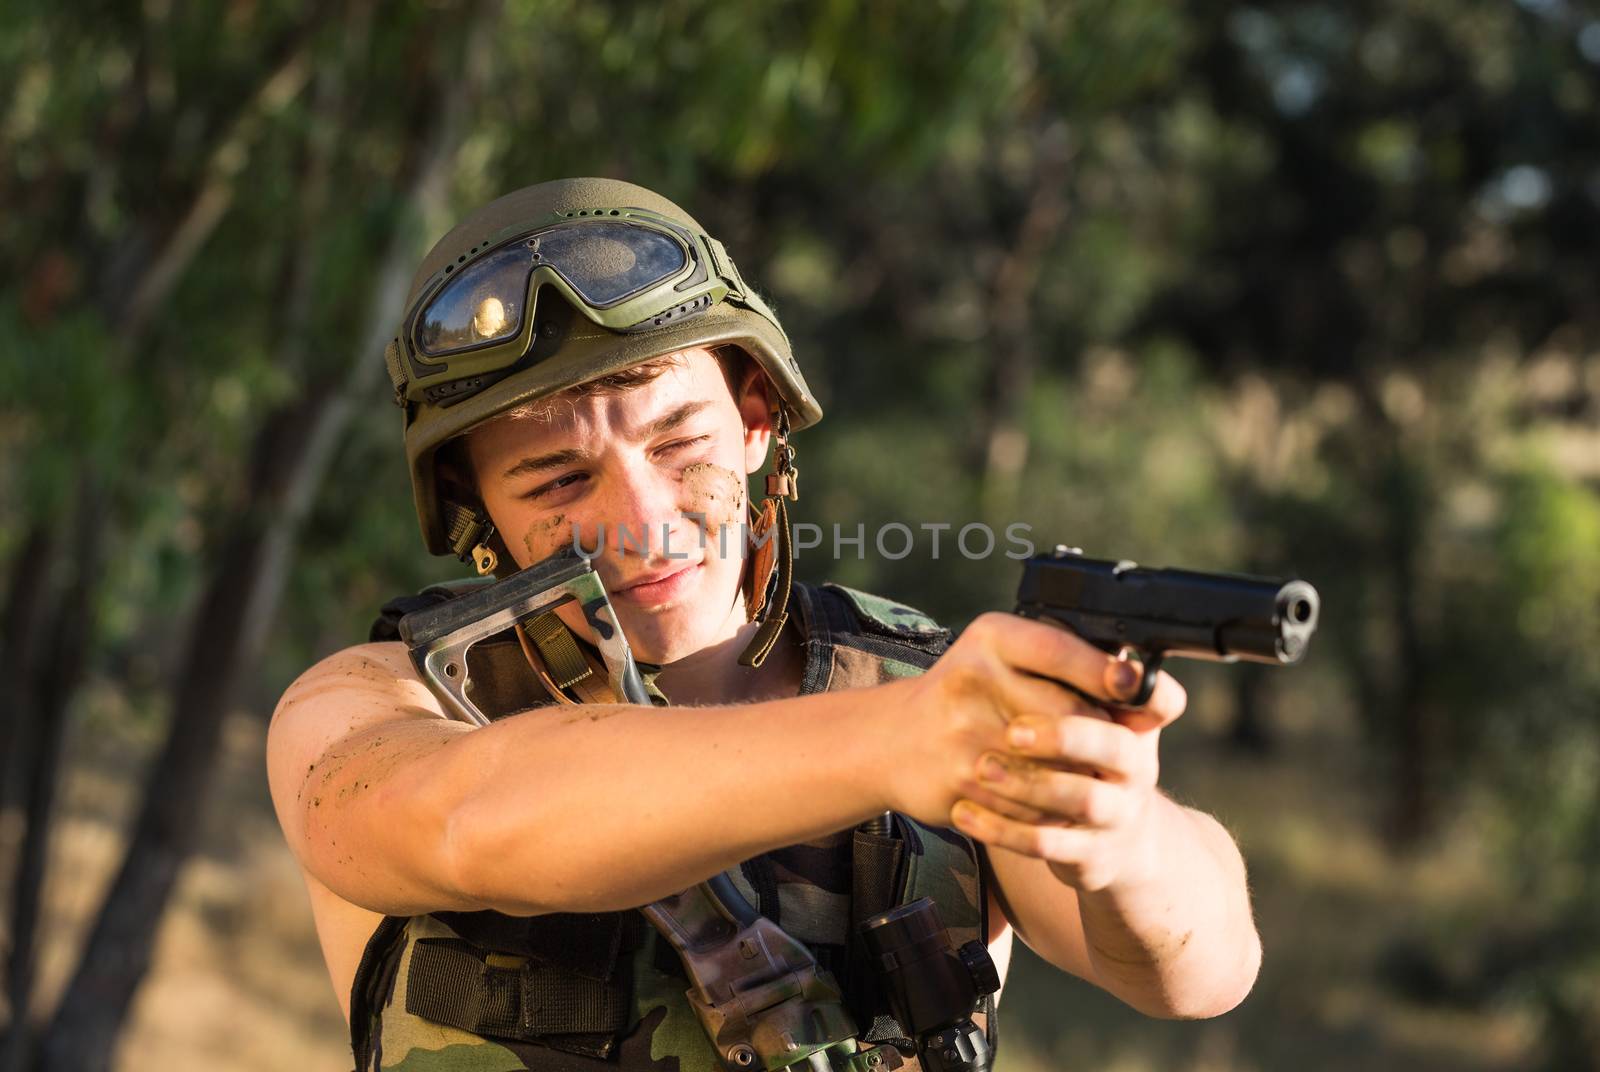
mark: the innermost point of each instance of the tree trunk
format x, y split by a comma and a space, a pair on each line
85, 1027
53, 685
1407, 712
1004, 446
158, 270
1412, 815
229, 156
20, 628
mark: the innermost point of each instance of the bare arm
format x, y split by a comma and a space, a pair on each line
397, 809
1179, 940
1180, 943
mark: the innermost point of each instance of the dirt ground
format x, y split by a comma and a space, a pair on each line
238, 982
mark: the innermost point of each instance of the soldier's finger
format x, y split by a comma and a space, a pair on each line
1106, 746
979, 793
1030, 696
1046, 841
1049, 649
1081, 798
1166, 704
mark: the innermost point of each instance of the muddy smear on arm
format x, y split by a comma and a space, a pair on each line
594, 713
354, 767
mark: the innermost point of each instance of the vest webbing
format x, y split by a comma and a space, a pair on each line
574, 991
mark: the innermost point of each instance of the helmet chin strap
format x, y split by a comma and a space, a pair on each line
472, 538
772, 528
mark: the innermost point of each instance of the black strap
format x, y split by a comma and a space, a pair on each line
387, 624
875, 865
758, 872
875, 874
589, 944
370, 989
452, 982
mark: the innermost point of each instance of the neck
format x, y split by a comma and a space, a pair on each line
713, 675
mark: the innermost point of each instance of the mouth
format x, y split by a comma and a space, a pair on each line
660, 587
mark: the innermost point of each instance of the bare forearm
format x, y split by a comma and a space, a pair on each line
613, 807
1179, 940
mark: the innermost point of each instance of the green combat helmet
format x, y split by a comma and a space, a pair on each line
558, 284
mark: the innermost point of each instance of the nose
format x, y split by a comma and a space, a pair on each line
644, 519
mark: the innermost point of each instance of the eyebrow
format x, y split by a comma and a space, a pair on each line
673, 418
556, 459
543, 462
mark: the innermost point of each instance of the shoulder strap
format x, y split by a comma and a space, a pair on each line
887, 617
387, 624
883, 626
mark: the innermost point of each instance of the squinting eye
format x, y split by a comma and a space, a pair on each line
685, 443
554, 485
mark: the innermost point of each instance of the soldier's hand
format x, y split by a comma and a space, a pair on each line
1074, 786
1002, 669
1076, 795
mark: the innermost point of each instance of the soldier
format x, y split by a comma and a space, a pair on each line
581, 354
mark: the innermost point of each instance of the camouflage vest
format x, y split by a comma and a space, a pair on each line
485, 992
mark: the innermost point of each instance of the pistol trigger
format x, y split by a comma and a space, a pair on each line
1149, 668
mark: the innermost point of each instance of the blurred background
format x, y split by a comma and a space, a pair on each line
1296, 288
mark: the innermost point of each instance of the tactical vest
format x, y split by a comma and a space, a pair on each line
486, 992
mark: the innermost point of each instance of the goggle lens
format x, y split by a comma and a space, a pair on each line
483, 304
604, 262
609, 262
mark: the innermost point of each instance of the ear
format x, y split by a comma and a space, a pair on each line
755, 409
454, 470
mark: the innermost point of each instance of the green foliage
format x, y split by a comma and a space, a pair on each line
1305, 287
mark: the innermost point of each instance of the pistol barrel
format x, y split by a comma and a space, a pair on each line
1222, 616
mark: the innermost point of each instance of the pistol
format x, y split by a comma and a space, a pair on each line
1122, 607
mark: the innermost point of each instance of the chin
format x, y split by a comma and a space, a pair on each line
667, 636
656, 641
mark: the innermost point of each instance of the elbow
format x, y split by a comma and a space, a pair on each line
487, 864
472, 859
1221, 993
460, 860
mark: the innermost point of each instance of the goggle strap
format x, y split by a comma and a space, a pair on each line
723, 265
395, 363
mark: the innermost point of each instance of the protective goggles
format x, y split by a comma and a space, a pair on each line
625, 269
